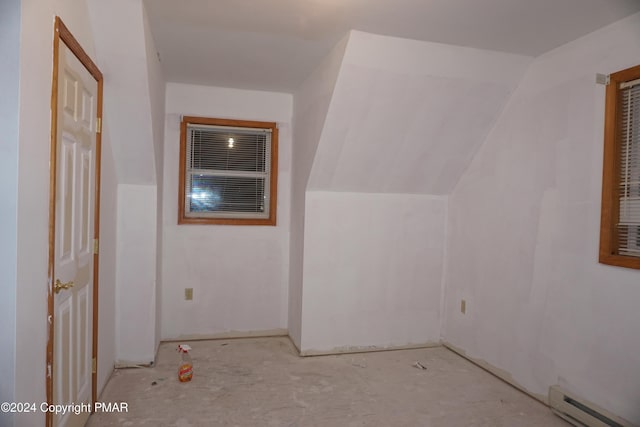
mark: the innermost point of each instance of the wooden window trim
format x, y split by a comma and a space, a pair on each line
271, 221
610, 175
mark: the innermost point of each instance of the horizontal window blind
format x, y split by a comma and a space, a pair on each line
227, 172
628, 226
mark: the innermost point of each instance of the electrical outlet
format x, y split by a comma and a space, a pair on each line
463, 306
188, 294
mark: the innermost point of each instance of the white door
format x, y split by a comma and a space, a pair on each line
74, 236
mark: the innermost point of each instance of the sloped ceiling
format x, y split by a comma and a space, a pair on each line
275, 44
122, 57
407, 116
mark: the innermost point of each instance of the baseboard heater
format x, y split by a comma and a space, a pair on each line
580, 412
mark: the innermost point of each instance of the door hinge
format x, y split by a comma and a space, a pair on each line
98, 125
94, 366
96, 245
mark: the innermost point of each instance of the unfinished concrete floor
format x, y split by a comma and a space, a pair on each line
263, 382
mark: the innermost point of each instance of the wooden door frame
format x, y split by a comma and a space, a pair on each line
62, 33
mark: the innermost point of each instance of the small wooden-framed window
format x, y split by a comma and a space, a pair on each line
228, 172
620, 215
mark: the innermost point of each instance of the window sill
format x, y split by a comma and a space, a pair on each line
620, 261
226, 221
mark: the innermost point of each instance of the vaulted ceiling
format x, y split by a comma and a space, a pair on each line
408, 116
409, 95
275, 44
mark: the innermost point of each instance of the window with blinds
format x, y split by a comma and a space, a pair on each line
228, 172
620, 227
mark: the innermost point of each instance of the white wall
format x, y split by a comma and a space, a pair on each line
122, 56
390, 130
372, 270
310, 106
524, 230
394, 124
9, 79
134, 112
156, 106
107, 262
239, 274
135, 274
